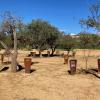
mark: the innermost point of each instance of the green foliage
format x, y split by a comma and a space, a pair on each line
94, 19
9, 24
24, 38
89, 41
8, 41
38, 32
68, 42
43, 35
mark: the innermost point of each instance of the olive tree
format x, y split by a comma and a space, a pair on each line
43, 35
68, 43
53, 38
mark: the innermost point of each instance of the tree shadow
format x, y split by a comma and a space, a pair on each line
44, 55
94, 69
4, 69
34, 63
30, 99
86, 71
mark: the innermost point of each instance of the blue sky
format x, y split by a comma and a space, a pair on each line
64, 14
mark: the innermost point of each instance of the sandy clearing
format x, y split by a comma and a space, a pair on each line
50, 81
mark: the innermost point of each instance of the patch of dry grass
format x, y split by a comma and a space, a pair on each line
50, 80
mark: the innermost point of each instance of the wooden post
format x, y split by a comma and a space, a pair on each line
2, 58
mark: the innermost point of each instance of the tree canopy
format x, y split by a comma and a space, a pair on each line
93, 20
41, 35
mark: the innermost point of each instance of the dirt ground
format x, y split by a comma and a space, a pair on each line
50, 80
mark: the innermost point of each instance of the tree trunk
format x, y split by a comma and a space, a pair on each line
86, 57
40, 53
53, 50
13, 63
14, 56
68, 53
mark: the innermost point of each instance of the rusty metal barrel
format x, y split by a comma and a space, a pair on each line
27, 63
98, 65
73, 65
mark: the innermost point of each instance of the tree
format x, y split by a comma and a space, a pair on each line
87, 42
43, 35
53, 38
94, 19
68, 43
25, 38
10, 25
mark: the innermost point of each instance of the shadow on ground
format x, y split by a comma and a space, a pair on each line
4, 69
